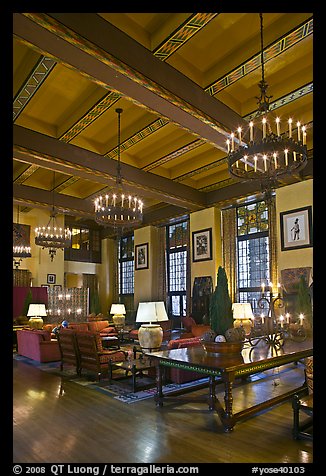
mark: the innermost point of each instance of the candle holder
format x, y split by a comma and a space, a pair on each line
269, 330
294, 331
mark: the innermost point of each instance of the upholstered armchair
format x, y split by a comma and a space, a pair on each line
191, 328
92, 355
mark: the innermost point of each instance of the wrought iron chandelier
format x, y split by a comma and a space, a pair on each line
264, 155
52, 236
20, 251
118, 208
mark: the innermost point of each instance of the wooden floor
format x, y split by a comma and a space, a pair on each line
57, 421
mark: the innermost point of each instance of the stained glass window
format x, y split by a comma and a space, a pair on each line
253, 251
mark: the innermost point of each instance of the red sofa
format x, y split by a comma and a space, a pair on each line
176, 375
37, 345
103, 327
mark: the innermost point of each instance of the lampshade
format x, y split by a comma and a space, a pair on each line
36, 310
242, 310
118, 309
151, 312
160, 311
146, 312
242, 313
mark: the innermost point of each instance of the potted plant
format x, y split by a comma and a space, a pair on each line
223, 337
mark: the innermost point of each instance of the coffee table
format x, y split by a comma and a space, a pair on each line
135, 366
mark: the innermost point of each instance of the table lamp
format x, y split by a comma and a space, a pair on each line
35, 313
242, 313
118, 311
150, 334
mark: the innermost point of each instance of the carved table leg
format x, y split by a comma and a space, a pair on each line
228, 420
212, 395
159, 394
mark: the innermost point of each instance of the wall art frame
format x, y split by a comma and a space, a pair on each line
51, 278
202, 245
141, 256
296, 229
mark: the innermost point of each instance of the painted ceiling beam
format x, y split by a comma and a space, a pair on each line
113, 60
35, 148
32, 197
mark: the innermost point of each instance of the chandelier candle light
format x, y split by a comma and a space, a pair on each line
268, 153
118, 208
52, 236
21, 251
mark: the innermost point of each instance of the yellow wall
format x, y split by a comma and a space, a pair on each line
40, 263
289, 198
106, 275
146, 280
201, 220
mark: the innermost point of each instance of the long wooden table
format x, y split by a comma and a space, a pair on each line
228, 368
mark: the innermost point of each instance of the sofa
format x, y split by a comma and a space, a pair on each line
37, 345
101, 327
176, 375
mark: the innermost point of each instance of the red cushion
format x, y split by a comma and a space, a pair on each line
180, 343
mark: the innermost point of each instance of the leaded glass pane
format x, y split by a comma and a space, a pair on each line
177, 271
175, 305
126, 265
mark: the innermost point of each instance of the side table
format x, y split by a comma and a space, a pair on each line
135, 366
111, 342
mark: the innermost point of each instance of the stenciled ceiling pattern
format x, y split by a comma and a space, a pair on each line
184, 82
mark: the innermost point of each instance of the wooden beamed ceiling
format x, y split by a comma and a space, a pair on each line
184, 81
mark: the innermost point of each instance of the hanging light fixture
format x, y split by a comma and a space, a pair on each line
273, 154
20, 249
118, 208
52, 236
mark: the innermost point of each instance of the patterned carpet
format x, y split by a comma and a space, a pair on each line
121, 390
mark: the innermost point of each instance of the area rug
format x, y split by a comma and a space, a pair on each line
121, 390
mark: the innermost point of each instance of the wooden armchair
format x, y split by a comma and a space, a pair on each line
304, 405
92, 355
69, 349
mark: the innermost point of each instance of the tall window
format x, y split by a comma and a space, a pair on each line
126, 266
253, 251
177, 240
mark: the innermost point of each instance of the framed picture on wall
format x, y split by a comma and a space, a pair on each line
296, 228
202, 245
51, 278
141, 256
